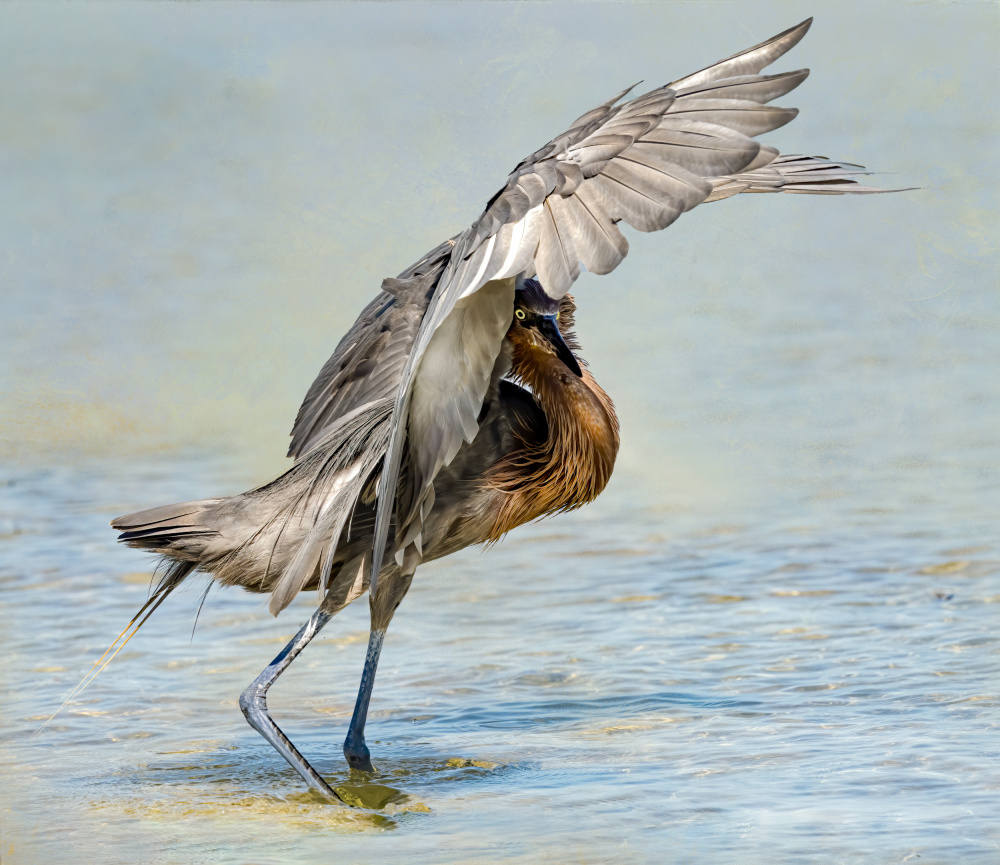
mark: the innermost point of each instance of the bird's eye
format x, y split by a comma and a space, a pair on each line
519, 313
557, 315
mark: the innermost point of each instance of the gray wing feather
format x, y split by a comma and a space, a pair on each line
644, 162
595, 236
740, 115
625, 196
332, 477
756, 88
557, 262
705, 148
368, 363
814, 175
165, 517
321, 537
448, 397
752, 60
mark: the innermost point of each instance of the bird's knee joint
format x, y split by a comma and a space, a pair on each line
252, 701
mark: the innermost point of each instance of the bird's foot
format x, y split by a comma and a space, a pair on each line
357, 754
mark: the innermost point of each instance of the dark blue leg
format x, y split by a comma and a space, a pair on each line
355, 749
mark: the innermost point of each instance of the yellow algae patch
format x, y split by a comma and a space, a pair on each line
281, 639
205, 747
724, 529
945, 568
462, 762
725, 599
615, 552
617, 729
306, 810
379, 797
802, 634
634, 599
630, 728
374, 797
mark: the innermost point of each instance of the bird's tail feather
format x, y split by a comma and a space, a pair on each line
174, 575
179, 532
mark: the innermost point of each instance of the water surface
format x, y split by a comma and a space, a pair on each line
773, 639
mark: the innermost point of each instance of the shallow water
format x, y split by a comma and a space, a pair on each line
773, 691
774, 637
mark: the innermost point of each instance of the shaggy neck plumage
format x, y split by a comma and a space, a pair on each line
573, 465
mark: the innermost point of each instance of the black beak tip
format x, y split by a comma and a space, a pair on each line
550, 330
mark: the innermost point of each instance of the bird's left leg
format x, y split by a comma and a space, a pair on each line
253, 702
392, 588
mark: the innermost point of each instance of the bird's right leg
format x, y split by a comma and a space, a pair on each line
392, 588
355, 750
253, 702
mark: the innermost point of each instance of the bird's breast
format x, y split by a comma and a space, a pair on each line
572, 465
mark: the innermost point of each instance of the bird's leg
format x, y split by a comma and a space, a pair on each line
355, 750
392, 588
253, 702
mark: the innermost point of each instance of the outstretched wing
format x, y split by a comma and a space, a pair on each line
645, 162
368, 362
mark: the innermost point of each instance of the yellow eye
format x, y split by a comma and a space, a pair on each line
519, 313
557, 315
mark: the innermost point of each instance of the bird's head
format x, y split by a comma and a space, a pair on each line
537, 320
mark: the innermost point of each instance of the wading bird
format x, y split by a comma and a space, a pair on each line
456, 408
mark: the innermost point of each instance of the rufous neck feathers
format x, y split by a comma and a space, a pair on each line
573, 465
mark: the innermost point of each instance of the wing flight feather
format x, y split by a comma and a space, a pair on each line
643, 162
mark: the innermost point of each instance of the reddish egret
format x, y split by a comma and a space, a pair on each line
456, 408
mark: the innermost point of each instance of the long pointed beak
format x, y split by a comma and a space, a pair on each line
548, 328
